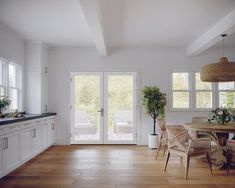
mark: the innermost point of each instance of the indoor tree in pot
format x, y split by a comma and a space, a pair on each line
4, 103
154, 102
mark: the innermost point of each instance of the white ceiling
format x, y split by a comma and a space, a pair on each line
57, 22
161, 22
126, 22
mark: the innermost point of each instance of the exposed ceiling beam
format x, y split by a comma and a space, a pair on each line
92, 12
211, 37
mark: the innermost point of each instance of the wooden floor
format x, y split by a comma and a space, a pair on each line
112, 167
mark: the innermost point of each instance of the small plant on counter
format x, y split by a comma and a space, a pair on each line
4, 103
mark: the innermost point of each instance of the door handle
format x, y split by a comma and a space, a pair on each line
101, 111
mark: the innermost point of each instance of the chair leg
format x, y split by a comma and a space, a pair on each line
186, 166
165, 148
209, 161
181, 160
228, 163
167, 159
158, 149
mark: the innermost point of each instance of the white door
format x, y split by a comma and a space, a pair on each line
11, 151
1, 155
45, 134
36, 139
103, 108
51, 132
25, 145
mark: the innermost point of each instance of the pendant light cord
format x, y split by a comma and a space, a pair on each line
223, 46
223, 35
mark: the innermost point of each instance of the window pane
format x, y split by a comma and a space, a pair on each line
203, 99
180, 81
180, 99
226, 99
12, 75
1, 72
201, 85
226, 85
1, 91
13, 95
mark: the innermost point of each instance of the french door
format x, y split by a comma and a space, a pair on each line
103, 108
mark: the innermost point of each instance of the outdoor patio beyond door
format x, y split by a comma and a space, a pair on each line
103, 108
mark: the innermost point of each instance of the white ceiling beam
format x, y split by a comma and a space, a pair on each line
211, 37
92, 12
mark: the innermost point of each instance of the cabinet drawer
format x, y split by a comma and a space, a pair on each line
26, 124
12, 128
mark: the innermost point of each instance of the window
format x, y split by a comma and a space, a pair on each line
10, 83
226, 94
2, 81
189, 92
203, 92
13, 86
180, 90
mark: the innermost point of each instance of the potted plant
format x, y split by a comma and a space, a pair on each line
4, 103
154, 102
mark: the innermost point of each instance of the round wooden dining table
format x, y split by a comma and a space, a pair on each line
218, 133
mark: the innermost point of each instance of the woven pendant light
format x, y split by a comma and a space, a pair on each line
223, 71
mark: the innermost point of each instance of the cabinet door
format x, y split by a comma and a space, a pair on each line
11, 151
51, 133
25, 145
44, 135
1, 155
36, 139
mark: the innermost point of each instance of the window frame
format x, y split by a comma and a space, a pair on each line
6, 85
195, 91
188, 90
225, 90
192, 93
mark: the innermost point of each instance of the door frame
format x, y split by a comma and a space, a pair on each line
103, 128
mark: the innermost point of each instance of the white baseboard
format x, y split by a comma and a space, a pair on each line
61, 141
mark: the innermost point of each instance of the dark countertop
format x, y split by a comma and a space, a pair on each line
5, 121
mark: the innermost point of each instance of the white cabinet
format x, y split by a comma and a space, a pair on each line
51, 132
36, 63
20, 142
36, 139
25, 145
45, 135
11, 151
1, 156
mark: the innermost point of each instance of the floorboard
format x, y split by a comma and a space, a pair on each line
112, 166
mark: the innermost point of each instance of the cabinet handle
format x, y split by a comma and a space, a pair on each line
34, 133
53, 126
6, 143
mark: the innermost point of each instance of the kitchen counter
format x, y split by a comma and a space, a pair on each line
5, 121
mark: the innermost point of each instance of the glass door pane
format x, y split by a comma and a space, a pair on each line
87, 102
120, 108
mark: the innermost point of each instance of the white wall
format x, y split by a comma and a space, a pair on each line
12, 48
153, 65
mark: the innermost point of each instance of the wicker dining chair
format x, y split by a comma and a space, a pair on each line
230, 154
163, 139
181, 144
